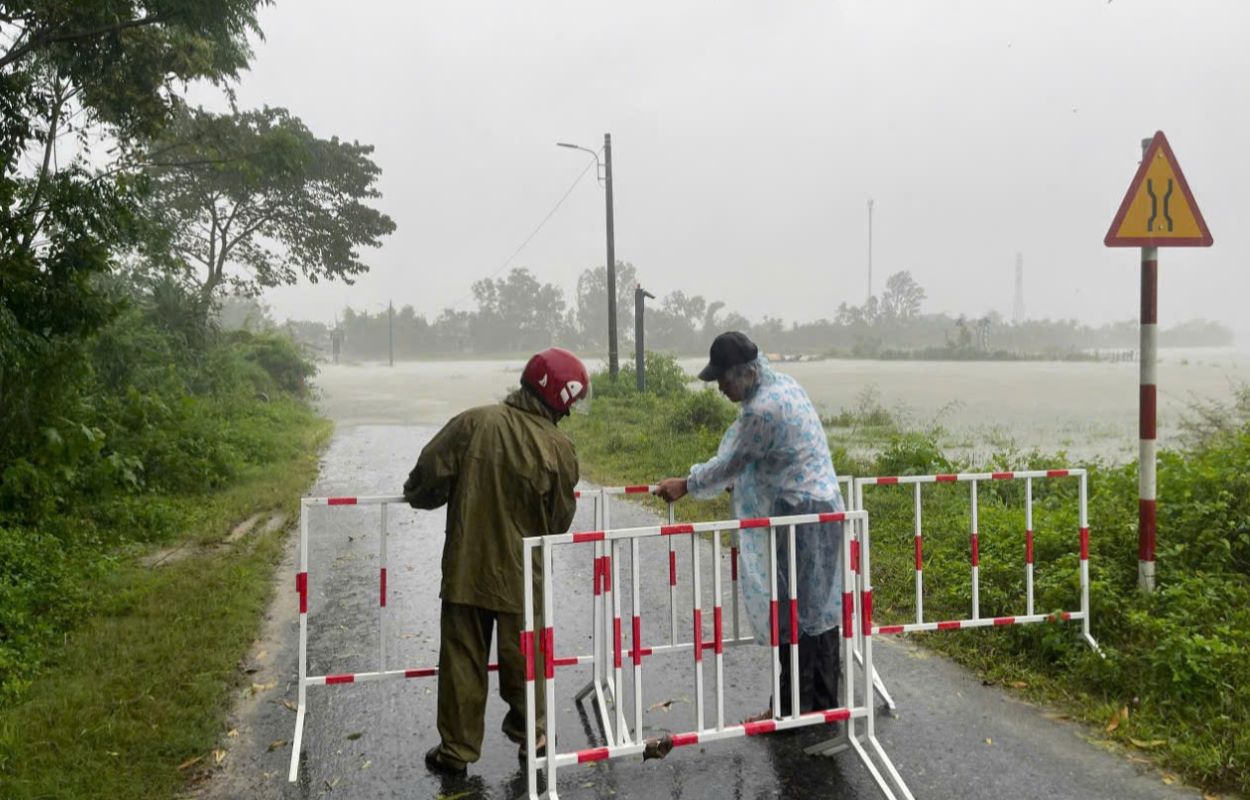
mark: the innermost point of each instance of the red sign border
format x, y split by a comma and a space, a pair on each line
1111, 240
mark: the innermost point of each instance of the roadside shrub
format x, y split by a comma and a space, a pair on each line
704, 410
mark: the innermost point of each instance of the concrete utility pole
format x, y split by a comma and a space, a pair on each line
640, 352
390, 330
606, 164
870, 248
613, 363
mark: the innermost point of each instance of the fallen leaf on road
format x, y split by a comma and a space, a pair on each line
257, 688
1051, 715
1117, 718
292, 707
1014, 684
275, 744
989, 740
219, 756
189, 762
1148, 744
351, 737
456, 796
1169, 778
666, 705
233, 734
366, 765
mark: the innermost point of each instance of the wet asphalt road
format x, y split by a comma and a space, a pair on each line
952, 737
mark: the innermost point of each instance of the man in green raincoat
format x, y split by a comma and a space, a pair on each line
505, 472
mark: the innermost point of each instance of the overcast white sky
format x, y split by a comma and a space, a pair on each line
748, 136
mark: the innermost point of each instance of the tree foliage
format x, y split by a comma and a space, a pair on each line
251, 200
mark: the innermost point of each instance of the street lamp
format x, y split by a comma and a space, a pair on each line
606, 165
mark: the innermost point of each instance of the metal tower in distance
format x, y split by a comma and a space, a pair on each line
1017, 312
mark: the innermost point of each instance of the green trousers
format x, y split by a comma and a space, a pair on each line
464, 652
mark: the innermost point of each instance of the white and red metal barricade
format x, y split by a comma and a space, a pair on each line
631, 743
974, 618
605, 658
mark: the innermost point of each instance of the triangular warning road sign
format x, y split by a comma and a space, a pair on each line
1159, 210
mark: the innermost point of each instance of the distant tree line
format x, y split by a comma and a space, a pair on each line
517, 313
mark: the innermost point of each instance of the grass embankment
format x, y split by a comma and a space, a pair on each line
1175, 683
161, 435
142, 682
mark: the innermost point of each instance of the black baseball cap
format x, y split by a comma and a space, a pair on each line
728, 350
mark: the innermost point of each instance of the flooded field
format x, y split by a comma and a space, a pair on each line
1086, 409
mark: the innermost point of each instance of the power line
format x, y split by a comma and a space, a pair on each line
533, 233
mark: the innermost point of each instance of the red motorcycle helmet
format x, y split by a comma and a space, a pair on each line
559, 378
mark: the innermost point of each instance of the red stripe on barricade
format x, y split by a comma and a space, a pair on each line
646, 651
698, 635
946, 478
848, 613
756, 728
887, 481
567, 661
672, 568
594, 754
855, 555
1065, 616
1004, 620
837, 714
1028, 545
430, 672
733, 563
333, 679
669, 530
709, 645
1002, 476
607, 573
616, 642
794, 620
637, 652
717, 631
683, 739
867, 613
340, 501
919, 555
976, 550
527, 650
301, 586
382, 586
1056, 473
492, 667
549, 649
952, 625
833, 516
588, 536
577, 495
772, 613
1085, 544
889, 629
753, 522
637, 489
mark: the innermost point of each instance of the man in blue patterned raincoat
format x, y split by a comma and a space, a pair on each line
775, 458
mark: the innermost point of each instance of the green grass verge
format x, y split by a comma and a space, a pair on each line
1176, 677
144, 682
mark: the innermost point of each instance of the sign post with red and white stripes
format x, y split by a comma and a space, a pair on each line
1157, 211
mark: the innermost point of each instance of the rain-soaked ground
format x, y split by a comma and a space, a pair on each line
951, 737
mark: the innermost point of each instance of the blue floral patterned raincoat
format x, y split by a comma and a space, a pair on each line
776, 458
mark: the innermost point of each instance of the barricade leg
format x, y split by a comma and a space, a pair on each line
672, 580
697, 640
775, 650
301, 586
1084, 524
527, 651
636, 638
549, 648
718, 633
851, 565
599, 644
1028, 545
975, 550
866, 625
792, 592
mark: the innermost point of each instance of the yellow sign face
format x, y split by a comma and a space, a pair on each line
1159, 210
